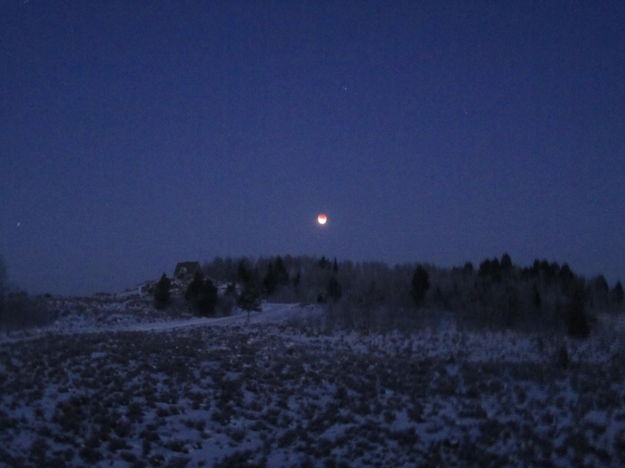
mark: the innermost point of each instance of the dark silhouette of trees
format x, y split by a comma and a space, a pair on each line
577, 324
282, 276
490, 269
324, 263
162, 296
419, 285
296, 279
249, 299
600, 284
275, 277
206, 300
244, 275
202, 295
566, 274
506, 263
537, 300
497, 293
3, 287
333, 289
598, 293
194, 287
270, 282
617, 294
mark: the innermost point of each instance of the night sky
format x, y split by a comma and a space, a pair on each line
136, 134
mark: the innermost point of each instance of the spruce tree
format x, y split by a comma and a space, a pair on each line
249, 299
161, 292
419, 285
270, 281
193, 290
333, 289
577, 324
617, 294
536, 298
324, 263
206, 300
282, 276
244, 276
506, 263
3, 278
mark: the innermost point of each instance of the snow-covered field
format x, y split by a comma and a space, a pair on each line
228, 392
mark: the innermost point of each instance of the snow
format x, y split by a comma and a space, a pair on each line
113, 381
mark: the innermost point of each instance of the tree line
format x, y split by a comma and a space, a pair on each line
498, 293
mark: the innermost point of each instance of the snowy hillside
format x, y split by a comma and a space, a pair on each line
225, 392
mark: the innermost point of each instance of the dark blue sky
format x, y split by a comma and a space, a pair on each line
137, 134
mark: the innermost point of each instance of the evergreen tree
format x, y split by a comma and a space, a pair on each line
567, 278
249, 299
506, 263
577, 324
161, 292
566, 274
244, 276
333, 289
282, 276
270, 281
195, 286
206, 300
419, 285
548, 270
598, 292
484, 269
296, 279
617, 294
3, 287
324, 263
490, 269
536, 298
600, 284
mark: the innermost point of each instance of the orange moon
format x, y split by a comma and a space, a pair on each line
322, 219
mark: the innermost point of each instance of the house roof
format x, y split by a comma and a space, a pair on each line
185, 268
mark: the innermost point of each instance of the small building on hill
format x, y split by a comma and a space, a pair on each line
186, 270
